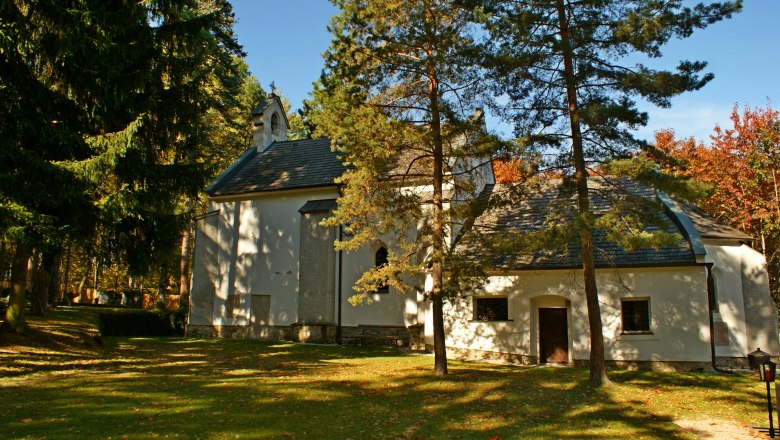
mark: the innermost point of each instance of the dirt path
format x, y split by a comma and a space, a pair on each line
719, 429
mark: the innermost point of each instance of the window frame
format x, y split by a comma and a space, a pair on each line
623, 321
476, 309
275, 123
384, 288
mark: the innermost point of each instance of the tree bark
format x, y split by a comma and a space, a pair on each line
598, 374
83, 284
32, 269
184, 265
15, 319
64, 294
162, 285
439, 343
98, 263
3, 260
39, 304
54, 282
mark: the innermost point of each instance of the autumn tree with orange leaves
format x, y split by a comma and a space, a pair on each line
742, 165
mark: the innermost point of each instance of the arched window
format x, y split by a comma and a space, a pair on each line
380, 259
275, 124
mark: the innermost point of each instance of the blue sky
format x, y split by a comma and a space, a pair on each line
284, 41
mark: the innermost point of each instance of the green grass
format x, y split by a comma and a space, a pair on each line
64, 386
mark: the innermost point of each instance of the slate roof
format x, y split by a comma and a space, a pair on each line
284, 165
322, 205
538, 209
709, 227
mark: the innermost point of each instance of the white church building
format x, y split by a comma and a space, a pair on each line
264, 267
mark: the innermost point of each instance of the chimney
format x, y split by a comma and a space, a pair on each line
269, 123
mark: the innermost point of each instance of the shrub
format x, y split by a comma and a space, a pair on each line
138, 323
109, 297
132, 297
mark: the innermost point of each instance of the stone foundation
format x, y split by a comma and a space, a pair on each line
664, 366
417, 337
315, 332
484, 355
521, 359
732, 363
268, 333
396, 336
273, 333
217, 331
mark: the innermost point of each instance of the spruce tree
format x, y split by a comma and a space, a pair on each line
62, 78
104, 127
565, 67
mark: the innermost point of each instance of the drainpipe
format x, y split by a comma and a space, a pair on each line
338, 325
711, 306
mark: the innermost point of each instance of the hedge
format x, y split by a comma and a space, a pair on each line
140, 323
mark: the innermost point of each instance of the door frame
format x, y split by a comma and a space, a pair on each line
552, 302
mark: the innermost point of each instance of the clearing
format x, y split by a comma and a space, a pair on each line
64, 383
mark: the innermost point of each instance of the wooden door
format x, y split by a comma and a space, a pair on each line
261, 314
553, 336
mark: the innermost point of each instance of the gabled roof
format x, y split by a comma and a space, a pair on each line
711, 228
284, 165
537, 208
268, 101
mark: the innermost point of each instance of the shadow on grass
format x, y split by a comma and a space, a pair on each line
213, 388
253, 389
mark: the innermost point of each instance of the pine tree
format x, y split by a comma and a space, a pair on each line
563, 65
397, 100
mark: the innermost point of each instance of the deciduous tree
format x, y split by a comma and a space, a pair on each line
741, 166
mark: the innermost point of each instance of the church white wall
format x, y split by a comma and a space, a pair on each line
678, 308
391, 309
259, 254
727, 273
761, 320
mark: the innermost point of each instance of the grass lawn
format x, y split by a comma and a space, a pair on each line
66, 386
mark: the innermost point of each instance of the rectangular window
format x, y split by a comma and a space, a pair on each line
232, 304
491, 309
635, 315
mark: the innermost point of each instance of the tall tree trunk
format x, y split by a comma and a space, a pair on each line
54, 283
96, 279
439, 342
32, 269
64, 294
598, 374
162, 285
184, 265
39, 304
83, 284
3, 260
777, 193
15, 314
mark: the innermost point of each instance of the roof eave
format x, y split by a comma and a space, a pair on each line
685, 224
272, 191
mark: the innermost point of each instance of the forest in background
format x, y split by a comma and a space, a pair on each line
117, 116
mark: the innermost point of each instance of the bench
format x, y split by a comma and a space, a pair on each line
363, 338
